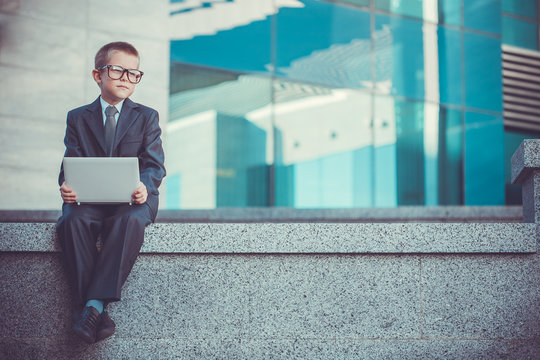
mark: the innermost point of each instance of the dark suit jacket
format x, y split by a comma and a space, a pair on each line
137, 135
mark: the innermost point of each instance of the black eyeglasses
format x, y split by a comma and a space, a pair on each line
116, 72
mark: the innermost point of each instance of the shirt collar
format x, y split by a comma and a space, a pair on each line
104, 105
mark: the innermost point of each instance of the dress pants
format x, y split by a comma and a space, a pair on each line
100, 275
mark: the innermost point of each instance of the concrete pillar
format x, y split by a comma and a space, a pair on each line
526, 171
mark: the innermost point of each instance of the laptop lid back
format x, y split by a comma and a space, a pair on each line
102, 180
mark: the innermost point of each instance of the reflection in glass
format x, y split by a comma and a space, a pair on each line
450, 65
323, 146
324, 44
483, 80
484, 15
403, 7
519, 33
399, 52
450, 12
520, 7
450, 157
484, 167
220, 156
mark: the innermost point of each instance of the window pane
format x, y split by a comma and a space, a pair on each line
483, 15
450, 12
355, 2
520, 7
519, 33
324, 43
224, 37
323, 147
218, 150
450, 157
450, 66
399, 56
484, 165
403, 7
483, 72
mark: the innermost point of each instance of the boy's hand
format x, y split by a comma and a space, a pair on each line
140, 195
68, 195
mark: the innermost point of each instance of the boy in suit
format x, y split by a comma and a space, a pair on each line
112, 125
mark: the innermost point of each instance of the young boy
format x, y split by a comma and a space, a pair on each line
112, 125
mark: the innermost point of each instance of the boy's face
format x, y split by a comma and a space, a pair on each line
114, 91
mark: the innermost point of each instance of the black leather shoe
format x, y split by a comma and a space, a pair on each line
105, 327
85, 327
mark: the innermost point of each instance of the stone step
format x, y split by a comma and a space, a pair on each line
289, 290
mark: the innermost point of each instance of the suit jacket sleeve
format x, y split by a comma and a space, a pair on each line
71, 141
151, 158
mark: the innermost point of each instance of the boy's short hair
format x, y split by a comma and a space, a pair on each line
103, 55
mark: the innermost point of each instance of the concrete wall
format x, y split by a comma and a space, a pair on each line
289, 290
47, 49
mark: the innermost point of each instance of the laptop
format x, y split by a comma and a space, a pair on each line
101, 180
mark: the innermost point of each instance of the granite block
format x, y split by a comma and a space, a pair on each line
525, 159
333, 296
46, 348
236, 348
481, 297
39, 237
35, 300
208, 297
142, 311
297, 238
445, 214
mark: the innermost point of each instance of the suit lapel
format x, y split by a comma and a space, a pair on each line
126, 119
94, 120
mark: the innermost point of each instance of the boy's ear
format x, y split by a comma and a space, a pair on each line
96, 74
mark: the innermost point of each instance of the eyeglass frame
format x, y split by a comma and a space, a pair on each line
124, 71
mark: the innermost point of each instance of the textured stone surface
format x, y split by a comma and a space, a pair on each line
525, 159
264, 349
34, 296
303, 238
289, 291
415, 214
481, 297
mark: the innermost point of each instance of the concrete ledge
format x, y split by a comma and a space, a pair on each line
460, 214
245, 238
525, 160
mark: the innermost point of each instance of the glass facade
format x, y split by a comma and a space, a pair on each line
339, 104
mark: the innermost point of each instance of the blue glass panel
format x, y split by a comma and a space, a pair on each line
519, 33
450, 66
483, 80
245, 47
399, 56
172, 199
450, 157
323, 148
324, 43
482, 15
450, 12
403, 7
484, 165
356, 2
520, 7
214, 142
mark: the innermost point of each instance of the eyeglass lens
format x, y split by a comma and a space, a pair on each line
116, 72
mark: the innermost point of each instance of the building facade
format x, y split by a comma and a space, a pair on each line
340, 104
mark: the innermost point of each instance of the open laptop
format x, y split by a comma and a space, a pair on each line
102, 180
